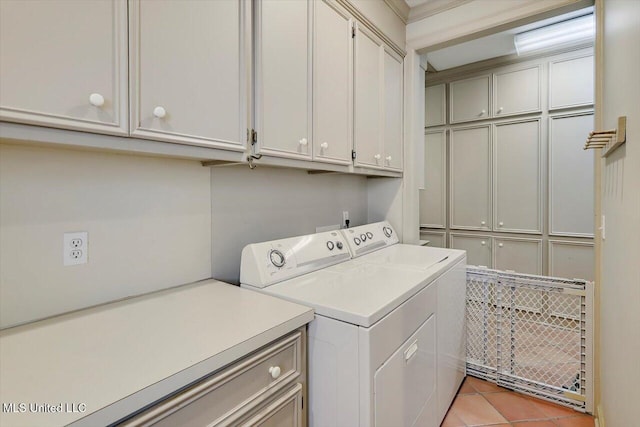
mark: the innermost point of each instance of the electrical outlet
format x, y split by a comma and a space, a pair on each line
75, 248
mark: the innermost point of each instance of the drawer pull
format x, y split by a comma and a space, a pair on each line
275, 371
96, 100
411, 351
159, 112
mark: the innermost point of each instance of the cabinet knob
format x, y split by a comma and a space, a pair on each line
324, 145
500, 245
483, 243
377, 157
274, 371
388, 159
483, 223
500, 110
96, 100
500, 224
159, 112
483, 112
303, 142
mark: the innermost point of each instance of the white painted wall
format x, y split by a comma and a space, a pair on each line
384, 18
620, 285
148, 219
251, 206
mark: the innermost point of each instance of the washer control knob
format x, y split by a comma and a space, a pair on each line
330, 245
339, 245
363, 237
369, 235
275, 371
387, 231
277, 258
357, 241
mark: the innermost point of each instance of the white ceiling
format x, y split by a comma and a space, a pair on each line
488, 47
414, 3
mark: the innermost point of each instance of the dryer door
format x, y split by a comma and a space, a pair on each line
405, 383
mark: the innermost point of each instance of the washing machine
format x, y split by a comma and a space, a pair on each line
372, 347
377, 244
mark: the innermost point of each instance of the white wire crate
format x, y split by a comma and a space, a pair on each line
532, 334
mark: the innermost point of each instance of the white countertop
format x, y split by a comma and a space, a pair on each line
119, 357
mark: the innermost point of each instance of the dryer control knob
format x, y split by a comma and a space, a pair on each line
277, 258
369, 235
339, 244
363, 237
330, 245
357, 241
387, 231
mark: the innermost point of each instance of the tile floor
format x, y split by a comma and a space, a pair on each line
481, 403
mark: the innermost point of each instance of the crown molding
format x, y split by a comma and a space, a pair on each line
433, 7
400, 8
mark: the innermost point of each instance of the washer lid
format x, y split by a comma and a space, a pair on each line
357, 293
413, 256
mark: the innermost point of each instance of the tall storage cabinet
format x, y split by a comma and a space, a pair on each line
189, 72
520, 186
61, 71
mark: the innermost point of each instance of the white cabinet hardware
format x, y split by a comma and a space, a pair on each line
159, 112
274, 371
96, 100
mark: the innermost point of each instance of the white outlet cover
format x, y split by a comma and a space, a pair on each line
72, 254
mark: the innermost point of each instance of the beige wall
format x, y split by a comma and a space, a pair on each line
148, 219
251, 206
620, 285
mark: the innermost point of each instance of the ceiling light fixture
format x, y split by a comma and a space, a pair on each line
566, 33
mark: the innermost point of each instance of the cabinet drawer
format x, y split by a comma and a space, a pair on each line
231, 394
284, 410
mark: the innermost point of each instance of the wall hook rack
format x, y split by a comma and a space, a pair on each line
609, 140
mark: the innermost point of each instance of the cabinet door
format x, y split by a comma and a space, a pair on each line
368, 111
392, 106
332, 83
571, 260
433, 197
188, 72
518, 186
517, 91
64, 64
434, 111
283, 78
478, 248
469, 99
571, 82
519, 255
470, 182
570, 176
436, 239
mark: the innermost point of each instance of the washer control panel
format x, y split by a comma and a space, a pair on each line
266, 263
369, 237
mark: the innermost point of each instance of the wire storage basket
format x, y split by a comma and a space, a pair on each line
531, 334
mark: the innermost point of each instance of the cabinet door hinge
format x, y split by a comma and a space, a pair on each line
252, 136
353, 154
353, 32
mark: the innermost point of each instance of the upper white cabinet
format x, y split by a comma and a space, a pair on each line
469, 99
369, 92
517, 91
571, 82
392, 106
518, 177
433, 197
570, 176
470, 182
435, 113
64, 64
283, 78
188, 70
332, 84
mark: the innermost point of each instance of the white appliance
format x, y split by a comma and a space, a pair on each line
374, 244
372, 346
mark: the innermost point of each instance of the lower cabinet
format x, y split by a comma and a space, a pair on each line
519, 255
265, 388
478, 248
